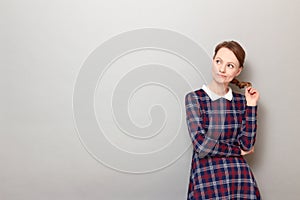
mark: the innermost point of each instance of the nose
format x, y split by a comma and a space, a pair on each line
222, 68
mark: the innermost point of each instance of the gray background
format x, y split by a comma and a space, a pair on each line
43, 46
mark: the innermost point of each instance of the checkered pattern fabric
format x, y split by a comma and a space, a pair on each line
219, 130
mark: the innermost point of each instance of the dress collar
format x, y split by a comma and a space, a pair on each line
213, 96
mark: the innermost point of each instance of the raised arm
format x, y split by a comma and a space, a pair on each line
247, 136
249, 124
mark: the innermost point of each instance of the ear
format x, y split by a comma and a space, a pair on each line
239, 71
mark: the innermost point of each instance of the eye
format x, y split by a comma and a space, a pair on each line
218, 61
230, 66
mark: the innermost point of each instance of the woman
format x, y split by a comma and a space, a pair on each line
222, 127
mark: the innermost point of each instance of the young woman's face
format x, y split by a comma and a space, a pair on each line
225, 66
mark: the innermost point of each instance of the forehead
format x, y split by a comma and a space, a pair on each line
227, 55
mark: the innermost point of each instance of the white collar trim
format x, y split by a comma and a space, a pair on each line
213, 96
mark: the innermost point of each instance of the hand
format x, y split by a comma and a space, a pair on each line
243, 153
252, 96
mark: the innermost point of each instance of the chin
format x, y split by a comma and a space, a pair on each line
221, 82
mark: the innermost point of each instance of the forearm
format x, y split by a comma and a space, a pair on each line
207, 146
247, 136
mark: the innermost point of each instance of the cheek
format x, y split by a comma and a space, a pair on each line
214, 68
234, 73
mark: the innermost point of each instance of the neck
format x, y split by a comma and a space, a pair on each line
219, 89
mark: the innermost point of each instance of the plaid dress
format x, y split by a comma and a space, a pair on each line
219, 129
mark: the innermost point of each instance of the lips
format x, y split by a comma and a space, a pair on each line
221, 75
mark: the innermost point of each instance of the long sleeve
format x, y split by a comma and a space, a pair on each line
247, 136
204, 144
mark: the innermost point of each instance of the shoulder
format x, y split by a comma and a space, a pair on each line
196, 94
197, 97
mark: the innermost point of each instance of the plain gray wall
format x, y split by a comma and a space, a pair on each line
43, 47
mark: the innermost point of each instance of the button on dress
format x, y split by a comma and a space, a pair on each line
219, 129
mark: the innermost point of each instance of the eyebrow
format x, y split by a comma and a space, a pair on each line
229, 62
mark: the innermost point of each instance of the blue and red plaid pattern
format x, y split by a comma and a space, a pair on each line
219, 130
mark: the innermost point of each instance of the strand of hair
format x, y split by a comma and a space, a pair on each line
241, 84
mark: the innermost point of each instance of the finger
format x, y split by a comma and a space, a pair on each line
252, 91
248, 88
